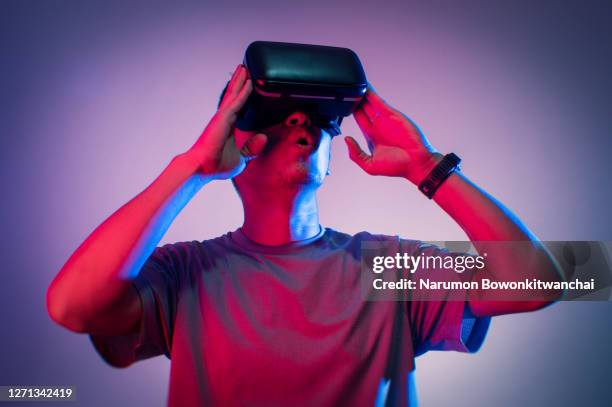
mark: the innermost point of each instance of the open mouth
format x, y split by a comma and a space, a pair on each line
303, 141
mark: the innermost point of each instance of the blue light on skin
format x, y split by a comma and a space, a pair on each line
303, 219
278, 188
160, 223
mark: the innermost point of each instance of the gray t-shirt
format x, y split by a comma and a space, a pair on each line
252, 325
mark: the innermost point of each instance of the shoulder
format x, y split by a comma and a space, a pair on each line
182, 248
190, 249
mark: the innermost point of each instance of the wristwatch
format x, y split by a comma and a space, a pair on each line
443, 170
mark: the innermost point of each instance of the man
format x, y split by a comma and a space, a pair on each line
271, 314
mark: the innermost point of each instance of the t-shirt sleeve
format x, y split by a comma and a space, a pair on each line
158, 285
443, 324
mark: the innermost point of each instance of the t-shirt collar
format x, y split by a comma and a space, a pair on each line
240, 239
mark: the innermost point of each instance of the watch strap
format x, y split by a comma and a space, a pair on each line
443, 170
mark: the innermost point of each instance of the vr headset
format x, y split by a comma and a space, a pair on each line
326, 83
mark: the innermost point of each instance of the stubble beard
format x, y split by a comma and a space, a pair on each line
298, 177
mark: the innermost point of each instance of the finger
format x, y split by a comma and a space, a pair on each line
232, 81
240, 80
228, 91
374, 118
237, 81
365, 125
235, 104
369, 110
377, 103
254, 146
236, 72
362, 119
357, 155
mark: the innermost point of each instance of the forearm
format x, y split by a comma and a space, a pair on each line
494, 229
480, 215
99, 270
399, 149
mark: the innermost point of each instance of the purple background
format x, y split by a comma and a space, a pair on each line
97, 97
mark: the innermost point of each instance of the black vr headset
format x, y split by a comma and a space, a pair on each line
326, 83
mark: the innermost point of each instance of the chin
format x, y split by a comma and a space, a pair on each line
301, 175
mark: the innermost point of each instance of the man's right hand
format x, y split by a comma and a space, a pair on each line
93, 291
215, 151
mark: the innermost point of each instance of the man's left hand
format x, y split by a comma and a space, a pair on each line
397, 146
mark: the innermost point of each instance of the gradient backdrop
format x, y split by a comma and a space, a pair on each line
97, 97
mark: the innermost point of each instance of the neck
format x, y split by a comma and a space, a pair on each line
274, 218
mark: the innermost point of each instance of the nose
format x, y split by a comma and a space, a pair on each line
296, 119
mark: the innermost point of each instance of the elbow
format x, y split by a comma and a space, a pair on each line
551, 297
548, 272
543, 298
60, 312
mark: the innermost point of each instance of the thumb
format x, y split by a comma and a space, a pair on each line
254, 145
360, 157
